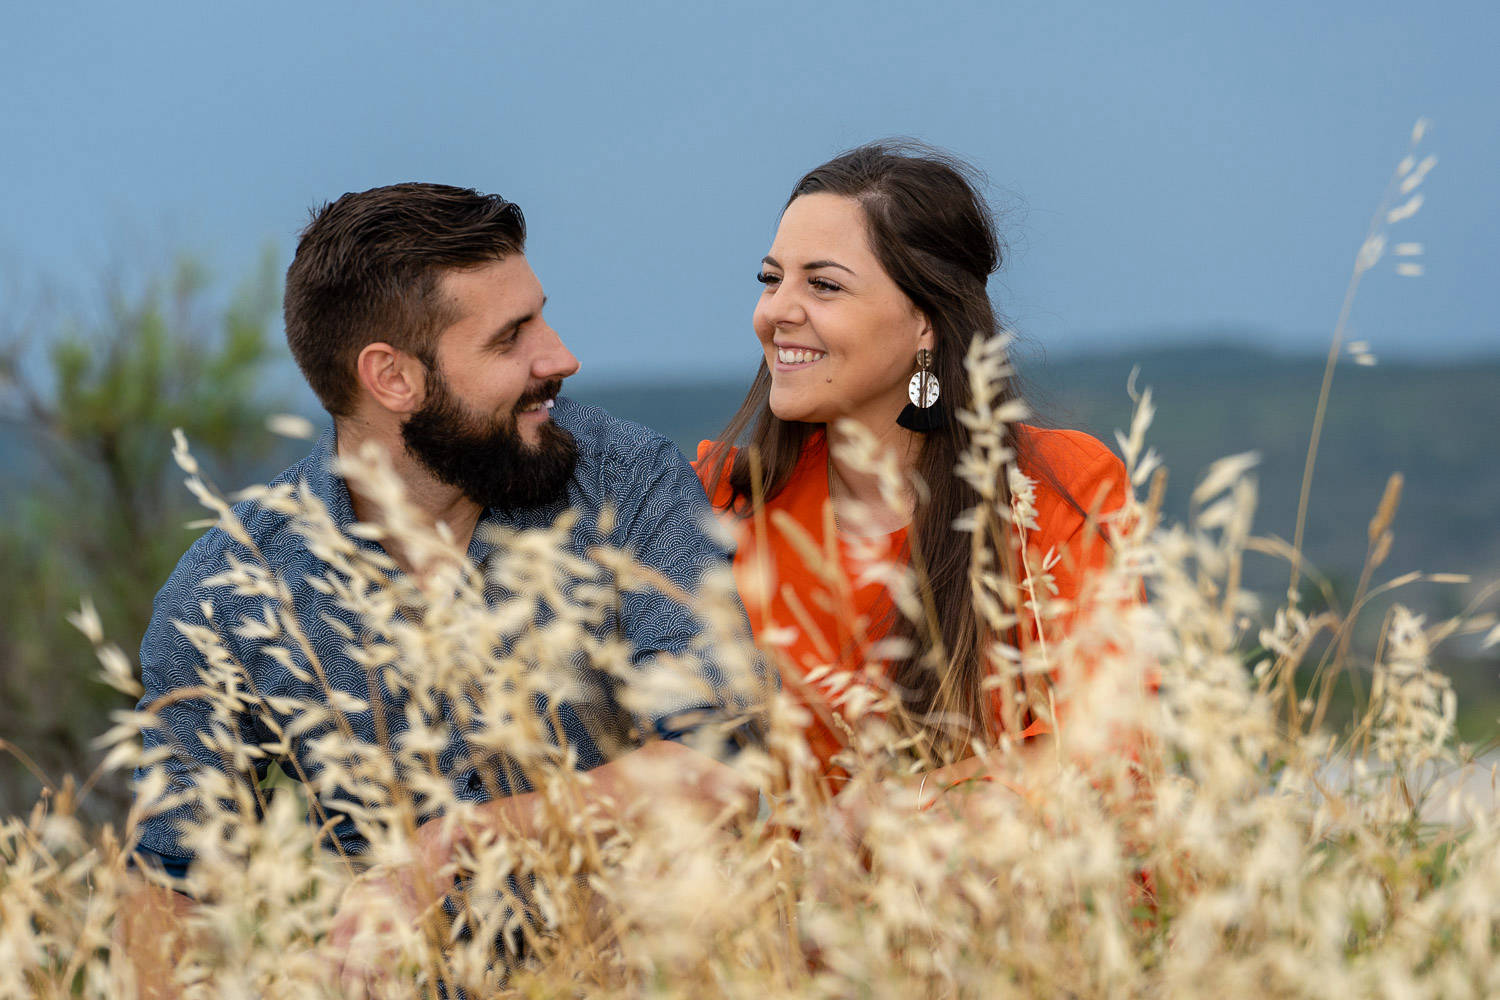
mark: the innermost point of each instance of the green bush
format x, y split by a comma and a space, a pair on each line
98, 509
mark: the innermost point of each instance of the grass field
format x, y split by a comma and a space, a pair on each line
1237, 849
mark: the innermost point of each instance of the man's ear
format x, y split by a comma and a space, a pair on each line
393, 378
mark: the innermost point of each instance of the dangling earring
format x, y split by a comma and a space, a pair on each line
922, 414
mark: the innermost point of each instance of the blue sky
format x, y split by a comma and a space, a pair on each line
1162, 169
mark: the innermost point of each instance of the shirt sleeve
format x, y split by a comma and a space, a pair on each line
172, 666
696, 663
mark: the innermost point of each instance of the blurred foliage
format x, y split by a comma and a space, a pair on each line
98, 509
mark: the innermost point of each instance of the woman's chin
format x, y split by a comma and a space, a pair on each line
795, 411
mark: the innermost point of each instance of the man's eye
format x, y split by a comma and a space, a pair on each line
767, 278
824, 285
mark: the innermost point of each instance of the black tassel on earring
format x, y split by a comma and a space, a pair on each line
922, 414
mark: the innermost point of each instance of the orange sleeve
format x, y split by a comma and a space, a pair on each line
1095, 478
1082, 546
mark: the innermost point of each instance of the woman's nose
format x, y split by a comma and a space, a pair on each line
783, 307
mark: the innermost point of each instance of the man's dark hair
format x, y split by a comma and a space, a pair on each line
367, 270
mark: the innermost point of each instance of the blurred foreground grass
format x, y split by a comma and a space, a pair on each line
1239, 847
1267, 828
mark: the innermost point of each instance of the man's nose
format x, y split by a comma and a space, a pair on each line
555, 360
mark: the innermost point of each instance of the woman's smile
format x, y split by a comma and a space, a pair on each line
794, 358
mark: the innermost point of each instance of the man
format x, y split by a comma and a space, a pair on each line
416, 319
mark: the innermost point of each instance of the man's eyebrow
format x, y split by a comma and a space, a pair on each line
509, 328
811, 265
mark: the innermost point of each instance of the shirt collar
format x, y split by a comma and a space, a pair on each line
327, 485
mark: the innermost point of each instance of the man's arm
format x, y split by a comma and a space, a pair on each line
664, 522
709, 787
192, 678
417, 888
151, 931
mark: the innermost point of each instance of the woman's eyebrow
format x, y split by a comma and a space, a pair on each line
811, 265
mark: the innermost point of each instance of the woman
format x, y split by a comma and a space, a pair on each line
873, 289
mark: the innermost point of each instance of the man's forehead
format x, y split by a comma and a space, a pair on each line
507, 285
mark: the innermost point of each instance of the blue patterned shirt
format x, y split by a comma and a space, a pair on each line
659, 516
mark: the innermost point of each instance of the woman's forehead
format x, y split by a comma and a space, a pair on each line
822, 225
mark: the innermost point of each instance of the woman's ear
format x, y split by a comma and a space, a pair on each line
926, 338
394, 379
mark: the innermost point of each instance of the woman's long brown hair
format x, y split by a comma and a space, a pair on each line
934, 234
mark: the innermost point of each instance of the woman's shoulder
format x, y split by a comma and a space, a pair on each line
1070, 455
1066, 448
1073, 471
707, 466
707, 448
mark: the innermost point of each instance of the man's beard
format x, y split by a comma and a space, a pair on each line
488, 461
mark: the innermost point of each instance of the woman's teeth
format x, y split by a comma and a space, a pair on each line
798, 356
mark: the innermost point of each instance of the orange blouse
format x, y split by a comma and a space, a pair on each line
825, 617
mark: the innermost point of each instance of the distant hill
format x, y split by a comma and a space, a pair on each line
1436, 424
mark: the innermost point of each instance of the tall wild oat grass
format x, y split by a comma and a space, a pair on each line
1214, 837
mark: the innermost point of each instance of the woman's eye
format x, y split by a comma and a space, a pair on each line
824, 285
767, 278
